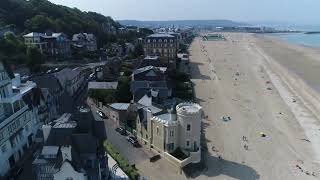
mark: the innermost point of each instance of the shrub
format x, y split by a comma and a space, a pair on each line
131, 171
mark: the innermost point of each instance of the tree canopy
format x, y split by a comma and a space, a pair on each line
42, 15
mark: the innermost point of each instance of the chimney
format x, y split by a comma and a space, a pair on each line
16, 82
66, 153
46, 131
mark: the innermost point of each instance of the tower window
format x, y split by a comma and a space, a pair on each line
188, 127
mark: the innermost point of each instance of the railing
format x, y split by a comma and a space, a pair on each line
10, 120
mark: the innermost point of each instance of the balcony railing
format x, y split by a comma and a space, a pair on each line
11, 99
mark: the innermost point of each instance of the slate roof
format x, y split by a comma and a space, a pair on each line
59, 137
160, 35
50, 150
148, 68
136, 85
66, 74
87, 36
33, 34
67, 103
103, 85
84, 143
120, 106
146, 103
36, 34
48, 81
33, 98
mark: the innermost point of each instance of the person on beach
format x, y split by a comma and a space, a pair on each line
246, 147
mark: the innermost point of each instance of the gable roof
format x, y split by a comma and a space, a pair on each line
66, 74
148, 68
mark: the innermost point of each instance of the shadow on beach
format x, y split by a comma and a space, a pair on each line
195, 71
211, 166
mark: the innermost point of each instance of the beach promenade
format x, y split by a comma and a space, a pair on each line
263, 85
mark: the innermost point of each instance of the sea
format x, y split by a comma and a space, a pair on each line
311, 40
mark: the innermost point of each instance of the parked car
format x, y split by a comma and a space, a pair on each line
133, 140
122, 131
101, 114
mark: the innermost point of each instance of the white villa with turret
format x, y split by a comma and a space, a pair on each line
175, 135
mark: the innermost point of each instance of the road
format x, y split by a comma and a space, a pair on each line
132, 154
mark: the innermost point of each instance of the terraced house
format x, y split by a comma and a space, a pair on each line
19, 119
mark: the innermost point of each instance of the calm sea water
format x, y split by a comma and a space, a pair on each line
312, 40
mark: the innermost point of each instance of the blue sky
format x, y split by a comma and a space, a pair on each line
291, 11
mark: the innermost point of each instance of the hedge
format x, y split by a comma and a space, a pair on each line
131, 171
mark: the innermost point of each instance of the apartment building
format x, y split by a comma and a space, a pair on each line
19, 120
162, 45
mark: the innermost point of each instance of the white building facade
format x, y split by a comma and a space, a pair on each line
18, 122
167, 133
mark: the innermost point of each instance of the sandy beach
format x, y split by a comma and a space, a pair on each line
264, 85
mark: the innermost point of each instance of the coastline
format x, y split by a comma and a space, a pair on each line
254, 81
308, 53
279, 37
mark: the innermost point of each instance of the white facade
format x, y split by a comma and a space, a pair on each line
67, 172
18, 123
189, 118
168, 132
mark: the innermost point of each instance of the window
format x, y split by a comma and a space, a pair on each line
158, 130
4, 148
188, 143
188, 127
27, 127
69, 178
1, 136
171, 133
171, 146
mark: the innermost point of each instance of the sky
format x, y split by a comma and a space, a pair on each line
289, 11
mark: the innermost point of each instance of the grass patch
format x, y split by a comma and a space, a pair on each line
123, 163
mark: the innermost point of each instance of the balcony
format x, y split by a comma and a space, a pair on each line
8, 117
11, 99
5, 82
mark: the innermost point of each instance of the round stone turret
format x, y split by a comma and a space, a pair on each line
189, 117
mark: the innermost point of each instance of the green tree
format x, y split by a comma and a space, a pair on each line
138, 50
34, 59
123, 92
